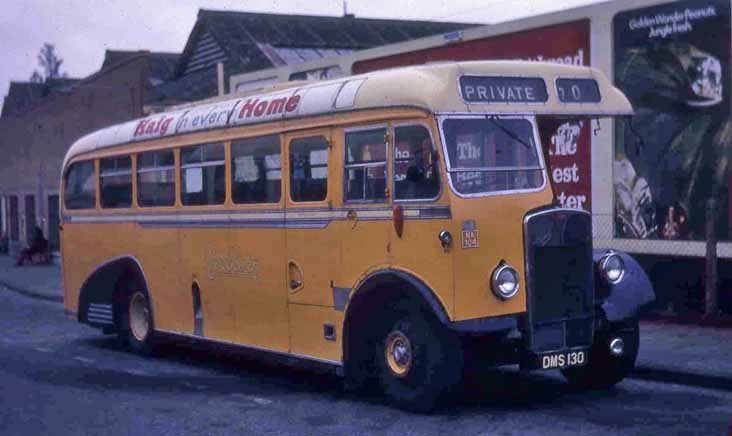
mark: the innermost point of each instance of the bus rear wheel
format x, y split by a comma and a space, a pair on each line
416, 358
138, 330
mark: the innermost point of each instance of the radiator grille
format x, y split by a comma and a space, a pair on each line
559, 280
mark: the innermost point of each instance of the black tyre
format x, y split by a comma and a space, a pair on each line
417, 359
605, 370
137, 327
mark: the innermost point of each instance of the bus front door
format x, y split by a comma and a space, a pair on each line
313, 250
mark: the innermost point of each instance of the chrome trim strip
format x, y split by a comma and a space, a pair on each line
309, 218
251, 347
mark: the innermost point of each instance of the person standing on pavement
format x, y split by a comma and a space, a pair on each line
37, 245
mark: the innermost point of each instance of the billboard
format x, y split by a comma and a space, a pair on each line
673, 63
567, 43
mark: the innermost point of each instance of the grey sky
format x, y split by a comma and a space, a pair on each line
82, 29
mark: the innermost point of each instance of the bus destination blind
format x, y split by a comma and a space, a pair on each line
578, 91
492, 89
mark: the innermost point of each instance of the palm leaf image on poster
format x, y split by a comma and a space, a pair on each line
673, 155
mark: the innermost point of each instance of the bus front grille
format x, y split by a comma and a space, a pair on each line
560, 290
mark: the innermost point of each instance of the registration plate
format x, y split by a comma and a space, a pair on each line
564, 359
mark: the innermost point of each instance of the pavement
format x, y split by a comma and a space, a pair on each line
684, 354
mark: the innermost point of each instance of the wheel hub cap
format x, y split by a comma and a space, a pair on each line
139, 316
398, 353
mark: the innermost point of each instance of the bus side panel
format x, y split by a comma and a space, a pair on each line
205, 261
498, 221
419, 252
158, 252
258, 289
87, 247
309, 337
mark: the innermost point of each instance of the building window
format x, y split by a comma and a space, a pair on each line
256, 170
156, 178
203, 175
80, 192
115, 182
365, 167
415, 164
309, 169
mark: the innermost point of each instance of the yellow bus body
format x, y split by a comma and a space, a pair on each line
282, 276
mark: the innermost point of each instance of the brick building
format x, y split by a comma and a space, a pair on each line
38, 125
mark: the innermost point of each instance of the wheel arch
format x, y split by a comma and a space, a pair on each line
379, 287
102, 290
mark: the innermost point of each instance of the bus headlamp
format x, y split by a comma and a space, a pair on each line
505, 281
612, 267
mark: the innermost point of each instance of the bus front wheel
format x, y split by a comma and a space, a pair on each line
138, 331
417, 359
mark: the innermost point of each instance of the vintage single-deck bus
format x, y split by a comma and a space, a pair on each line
391, 225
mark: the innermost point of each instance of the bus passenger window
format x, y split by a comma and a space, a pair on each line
365, 167
415, 164
80, 192
115, 182
309, 169
256, 170
156, 178
203, 175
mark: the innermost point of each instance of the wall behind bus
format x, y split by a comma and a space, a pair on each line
34, 143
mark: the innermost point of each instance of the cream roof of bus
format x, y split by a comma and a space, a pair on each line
432, 87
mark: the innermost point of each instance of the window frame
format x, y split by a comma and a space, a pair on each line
281, 142
95, 175
288, 139
424, 124
389, 190
442, 117
155, 169
180, 167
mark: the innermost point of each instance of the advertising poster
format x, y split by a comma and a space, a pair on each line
673, 63
567, 43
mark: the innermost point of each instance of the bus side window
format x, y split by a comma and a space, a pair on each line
203, 174
415, 165
309, 169
115, 182
365, 166
156, 178
80, 192
256, 170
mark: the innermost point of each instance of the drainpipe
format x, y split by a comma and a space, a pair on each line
220, 77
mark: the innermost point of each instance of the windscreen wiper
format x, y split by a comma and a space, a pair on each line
494, 119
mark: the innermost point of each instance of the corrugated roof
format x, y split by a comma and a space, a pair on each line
254, 41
